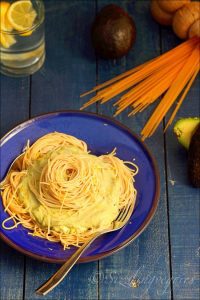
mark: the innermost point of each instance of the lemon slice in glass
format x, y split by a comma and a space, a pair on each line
21, 15
4, 23
6, 40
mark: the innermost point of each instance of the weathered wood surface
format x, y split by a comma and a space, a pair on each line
183, 200
165, 258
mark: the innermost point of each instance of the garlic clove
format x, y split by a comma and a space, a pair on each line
194, 29
184, 18
159, 15
171, 6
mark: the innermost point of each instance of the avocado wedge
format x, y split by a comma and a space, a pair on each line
184, 130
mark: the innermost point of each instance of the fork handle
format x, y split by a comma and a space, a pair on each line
57, 277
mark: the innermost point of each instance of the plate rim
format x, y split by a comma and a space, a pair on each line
142, 227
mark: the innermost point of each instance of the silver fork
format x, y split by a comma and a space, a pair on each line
14, 166
57, 277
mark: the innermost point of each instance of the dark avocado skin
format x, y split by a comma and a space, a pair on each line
113, 32
194, 159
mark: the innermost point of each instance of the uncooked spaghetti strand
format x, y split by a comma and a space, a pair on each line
151, 85
153, 94
141, 79
158, 116
175, 89
159, 72
167, 56
120, 86
181, 99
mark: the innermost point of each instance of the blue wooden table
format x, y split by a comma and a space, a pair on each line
163, 263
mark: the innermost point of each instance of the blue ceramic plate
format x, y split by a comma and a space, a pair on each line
102, 135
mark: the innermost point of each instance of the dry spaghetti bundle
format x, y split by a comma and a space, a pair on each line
171, 73
63, 193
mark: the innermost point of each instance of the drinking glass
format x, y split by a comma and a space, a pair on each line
22, 43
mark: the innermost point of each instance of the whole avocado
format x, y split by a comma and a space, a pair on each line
194, 158
113, 32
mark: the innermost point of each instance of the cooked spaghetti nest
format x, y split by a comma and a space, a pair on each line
63, 193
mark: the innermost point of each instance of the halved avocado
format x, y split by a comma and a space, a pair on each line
184, 130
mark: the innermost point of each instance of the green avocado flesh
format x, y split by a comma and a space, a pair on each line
184, 130
66, 221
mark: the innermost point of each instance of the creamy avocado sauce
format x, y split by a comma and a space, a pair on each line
101, 213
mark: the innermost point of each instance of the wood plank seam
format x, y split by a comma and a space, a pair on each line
166, 183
